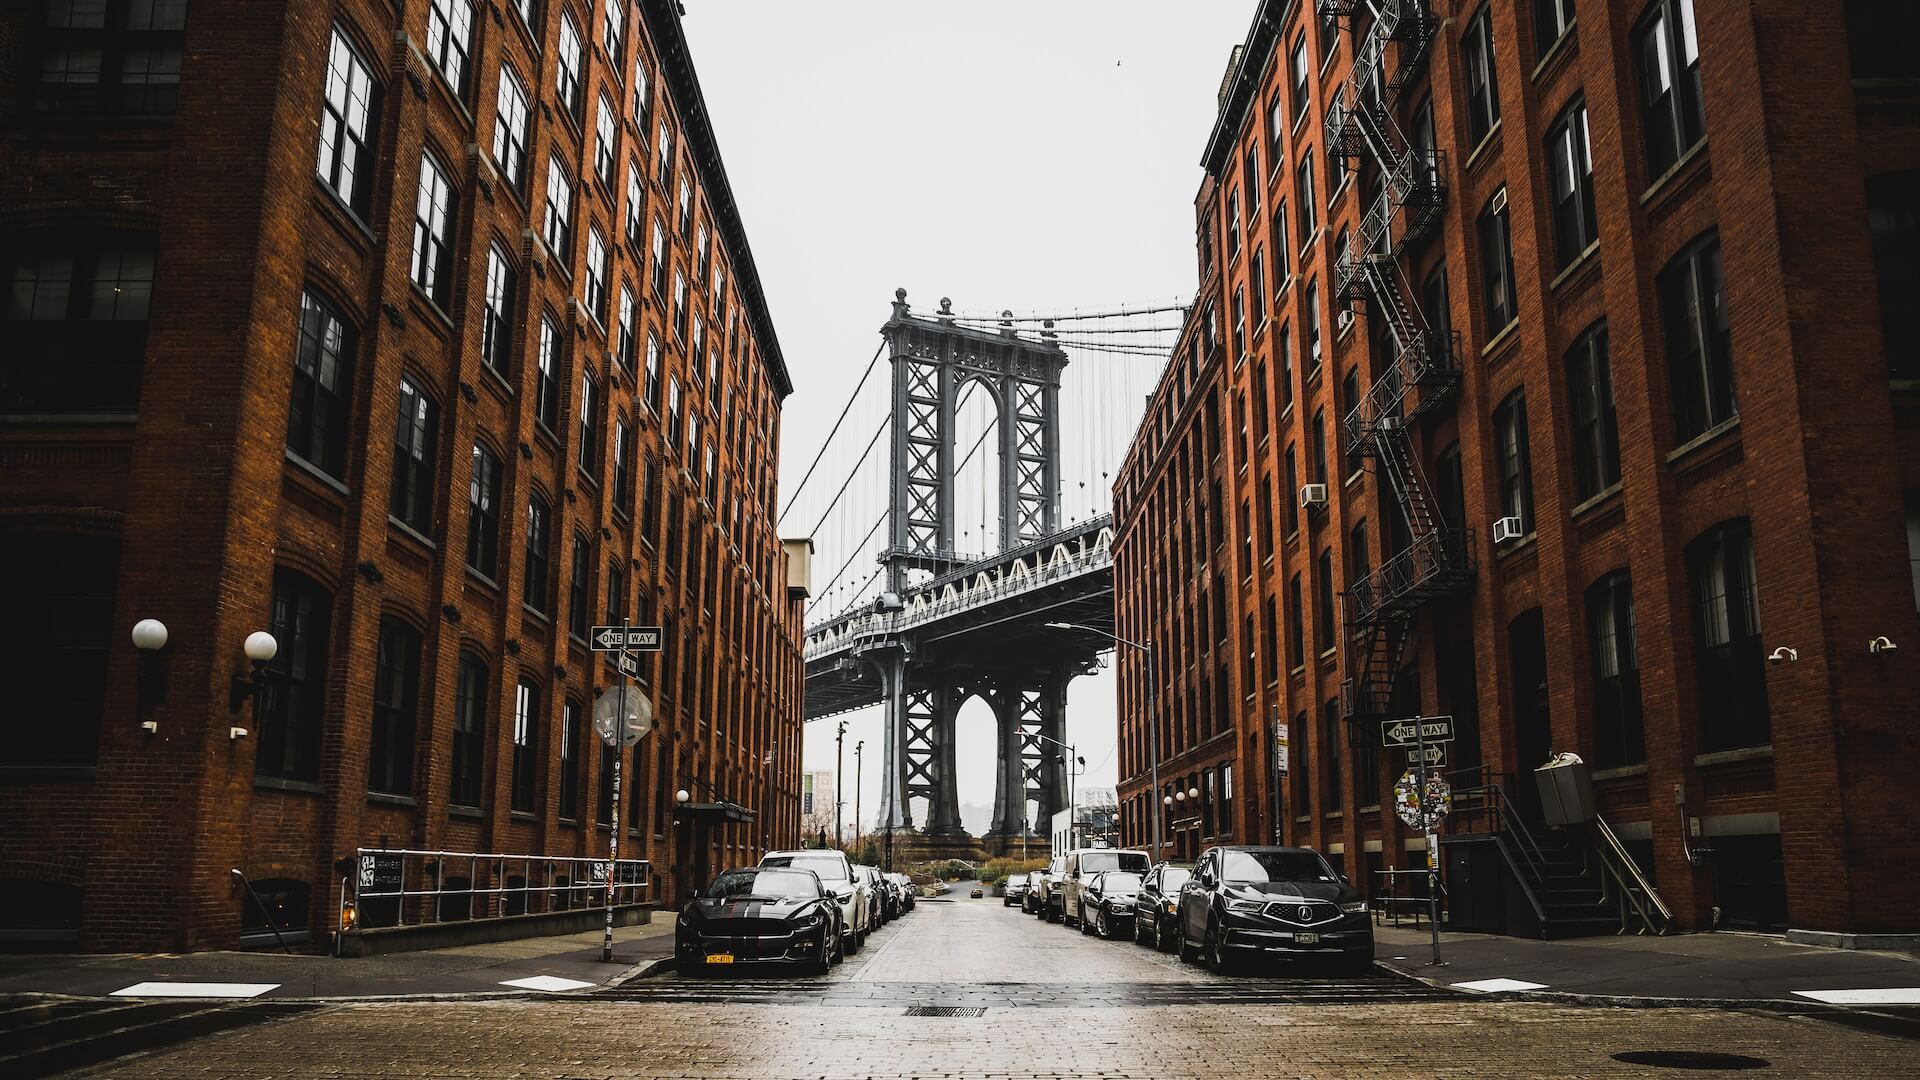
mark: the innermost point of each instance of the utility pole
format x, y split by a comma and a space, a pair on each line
839, 765
857, 749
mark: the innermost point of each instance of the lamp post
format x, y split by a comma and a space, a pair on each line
1075, 753
839, 765
149, 639
858, 749
1153, 735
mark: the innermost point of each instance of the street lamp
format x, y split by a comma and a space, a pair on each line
1153, 691
150, 681
260, 648
1071, 749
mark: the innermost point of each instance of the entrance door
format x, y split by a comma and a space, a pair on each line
1532, 727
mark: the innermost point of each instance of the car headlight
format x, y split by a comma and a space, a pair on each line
1354, 907
1246, 907
808, 922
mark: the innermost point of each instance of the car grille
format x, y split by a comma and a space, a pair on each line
745, 928
1303, 912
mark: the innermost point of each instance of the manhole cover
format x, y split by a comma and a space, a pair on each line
1691, 1059
944, 1010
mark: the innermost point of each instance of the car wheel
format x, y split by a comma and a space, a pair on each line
1218, 961
1086, 924
1056, 913
1139, 929
839, 955
1189, 953
823, 958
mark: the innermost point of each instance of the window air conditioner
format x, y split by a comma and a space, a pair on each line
1505, 529
1313, 495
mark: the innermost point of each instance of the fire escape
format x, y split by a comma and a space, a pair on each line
1421, 372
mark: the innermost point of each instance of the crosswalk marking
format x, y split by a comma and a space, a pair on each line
552, 984
1892, 995
196, 990
1494, 986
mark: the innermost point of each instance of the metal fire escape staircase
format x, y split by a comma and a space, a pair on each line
1422, 373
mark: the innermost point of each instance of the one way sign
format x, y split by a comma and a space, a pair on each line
615, 638
1431, 729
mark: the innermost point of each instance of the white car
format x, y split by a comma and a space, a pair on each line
849, 890
1078, 870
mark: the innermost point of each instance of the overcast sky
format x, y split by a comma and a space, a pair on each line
1037, 155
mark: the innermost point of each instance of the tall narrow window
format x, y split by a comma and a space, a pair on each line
572, 736
663, 156
100, 57
606, 141
1296, 625
483, 512
1233, 226
433, 233
1324, 634
622, 466
642, 89
636, 206
589, 426
1314, 352
1283, 352
578, 616
567, 67
1297, 66
546, 392
1699, 341
1672, 113
556, 223
1300, 767
496, 342
1734, 711
450, 40
1893, 221
415, 433
291, 714
1551, 21
510, 130
1516, 466
679, 305
1304, 200
624, 344
1496, 265
1239, 324
1319, 449
1570, 173
1596, 440
613, 29
536, 575
469, 732
322, 384
596, 291
396, 697
1257, 286
526, 737
1291, 478
1619, 733
659, 257
1880, 36
1330, 739
1483, 87
346, 125
1356, 457
653, 373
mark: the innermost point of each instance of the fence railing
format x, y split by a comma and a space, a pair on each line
406, 887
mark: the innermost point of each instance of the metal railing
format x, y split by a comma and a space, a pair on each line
407, 887
1635, 890
1389, 903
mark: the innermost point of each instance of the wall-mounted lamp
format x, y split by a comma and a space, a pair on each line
150, 685
1193, 793
1880, 645
260, 648
681, 796
1166, 800
1783, 655
1179, 796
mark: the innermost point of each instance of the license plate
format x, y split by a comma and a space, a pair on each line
720, 958
1299, 939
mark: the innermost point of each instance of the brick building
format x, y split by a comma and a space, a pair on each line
1454, 430
423, 335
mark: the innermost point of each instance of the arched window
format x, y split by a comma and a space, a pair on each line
292, 711
320, 411
1699, 339
1734, 711
469, 732
396, 695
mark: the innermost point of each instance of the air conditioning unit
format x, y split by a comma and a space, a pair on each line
1313, 495
1507, 528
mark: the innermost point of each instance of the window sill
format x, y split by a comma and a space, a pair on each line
469, 813
301, 787
1561, 49
1332, 815
1593, 503
432, 305
522, 815
499, 380
1507, 332
1514, 547
342, 210
315, 472
1374, 809
1734, 757
539, 616
1669, 180
1620, 773
1491, 138
1701, 441
1303, 819
410, 532
492, 585
1353, 478
381, 798
1574, 267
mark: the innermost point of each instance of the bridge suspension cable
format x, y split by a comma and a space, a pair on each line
828, 441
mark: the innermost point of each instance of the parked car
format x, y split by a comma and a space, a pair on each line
1031, 895
908, 892
1078, 867
1016, 890
1046, 906
760, 915
1276, 901
836, 873
1108, 908
1154, 913
886, 907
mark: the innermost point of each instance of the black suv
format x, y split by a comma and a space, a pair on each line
1153, 918
1272, 900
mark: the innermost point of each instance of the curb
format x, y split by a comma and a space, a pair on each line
1617, 1001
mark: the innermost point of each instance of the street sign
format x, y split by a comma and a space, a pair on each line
628, 664
1431, 729
1432, 755
614, 638
1280, 749
1422, 810
622, 714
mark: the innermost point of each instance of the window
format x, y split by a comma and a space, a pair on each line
1233, 226
1329, 35
612, 25
653, 372
663, 146
1281, 251
622, 466
1330, 739
529, 12
624, 343
55, 640
1516, 468
100, 57
577, 614
1596, 440
526, 733
1239, 324
642, 89
1283, 352
1299, 766
346, 125
1323, 630
589, 425
703, 252
616, 594
294, 704
1734, 711
1296, 626
556, 224
572, 738
1276, 133
699, 343
510, 130
483, 512
1672, 113
1359, 561
679, 305
1257, 282
469, 731
1297, 67
605, 141
1699, 342
1619, 735
1893, 220
496, 346
1292, 492
433, 233
1313, 328
1303, 197
567, 74
673, 410
1880, 37
1551, 21
636, 205
1336, 176
1483, 87
596, 294
1496, 265
75, 322
396, 697
546, 392
1570, 174
450, 40
1349, 402
685, 204
415, 433
322, 386
1913, 543
1251, 181
1435, 306
535, 576
659, 259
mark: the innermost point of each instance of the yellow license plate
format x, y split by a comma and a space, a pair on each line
1303, 939
720, 958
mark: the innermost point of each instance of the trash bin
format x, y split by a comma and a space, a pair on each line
1566, 790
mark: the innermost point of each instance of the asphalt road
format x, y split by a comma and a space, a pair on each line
971, 989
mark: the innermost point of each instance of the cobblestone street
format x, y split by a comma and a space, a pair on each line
1053, 1004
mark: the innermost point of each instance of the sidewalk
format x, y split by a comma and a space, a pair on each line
1708, 967
550, 964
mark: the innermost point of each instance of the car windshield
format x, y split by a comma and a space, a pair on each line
829, 867
1093, 862
1171, 879
793, 884
1259, 866
1120, 881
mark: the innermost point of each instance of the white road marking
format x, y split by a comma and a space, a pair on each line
550, 983
1893, 995
1491, 986
196, 990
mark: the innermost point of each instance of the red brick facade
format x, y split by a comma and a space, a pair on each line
1818, 465
215, 494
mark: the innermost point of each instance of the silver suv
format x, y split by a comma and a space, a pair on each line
1079, 866
850, 891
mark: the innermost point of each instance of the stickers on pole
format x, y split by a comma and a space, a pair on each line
1423, 810
624, 714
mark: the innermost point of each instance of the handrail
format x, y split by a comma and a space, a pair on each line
1501, 844
1611, 846
271, 923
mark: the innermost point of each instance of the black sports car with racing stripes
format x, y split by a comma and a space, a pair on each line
756, 915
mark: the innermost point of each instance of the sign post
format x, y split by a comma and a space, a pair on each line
621, 726
1420, 729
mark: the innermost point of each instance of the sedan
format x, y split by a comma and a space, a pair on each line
761, 915
1034, 891
1109, 903
1159, 904
1016, 890
1272, 901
